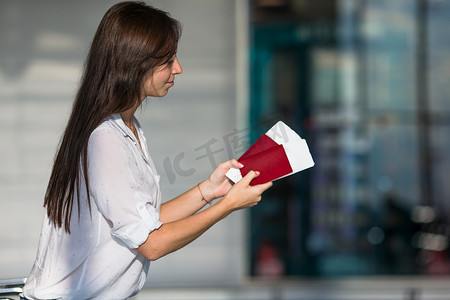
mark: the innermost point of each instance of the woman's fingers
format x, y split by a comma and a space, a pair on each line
249, 177
257, 189
236, 164
264, 186
252, 175
232, 163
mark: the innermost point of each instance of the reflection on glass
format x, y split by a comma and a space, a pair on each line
375, 111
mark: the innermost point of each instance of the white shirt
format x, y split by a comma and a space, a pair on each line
99, 260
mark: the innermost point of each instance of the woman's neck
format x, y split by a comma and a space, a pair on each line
128, 119
128, 116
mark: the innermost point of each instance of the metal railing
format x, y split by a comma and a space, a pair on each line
10, 289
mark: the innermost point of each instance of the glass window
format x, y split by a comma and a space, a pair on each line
368, 89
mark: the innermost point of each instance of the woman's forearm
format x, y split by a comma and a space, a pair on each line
175, 235
186, 204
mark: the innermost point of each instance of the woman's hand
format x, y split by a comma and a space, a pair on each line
217, 185
243, 195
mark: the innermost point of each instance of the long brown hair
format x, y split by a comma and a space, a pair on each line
131, 40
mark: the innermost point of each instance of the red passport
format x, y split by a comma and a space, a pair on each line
276, 154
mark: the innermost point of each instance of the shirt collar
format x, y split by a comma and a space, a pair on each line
117, 120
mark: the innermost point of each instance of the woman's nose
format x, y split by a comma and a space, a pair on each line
177, 67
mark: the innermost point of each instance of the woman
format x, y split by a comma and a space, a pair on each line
105, 221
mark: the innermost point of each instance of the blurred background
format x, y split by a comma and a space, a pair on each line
365, 82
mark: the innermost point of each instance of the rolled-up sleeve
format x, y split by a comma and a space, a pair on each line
116, 184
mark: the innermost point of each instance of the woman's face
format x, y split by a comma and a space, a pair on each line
163, 78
